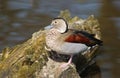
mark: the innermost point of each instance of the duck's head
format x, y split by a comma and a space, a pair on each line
60, 24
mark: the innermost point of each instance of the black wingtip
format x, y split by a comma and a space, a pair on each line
99, 42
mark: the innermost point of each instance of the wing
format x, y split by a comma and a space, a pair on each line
83, 37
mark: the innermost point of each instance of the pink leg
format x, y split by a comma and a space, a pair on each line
69, 62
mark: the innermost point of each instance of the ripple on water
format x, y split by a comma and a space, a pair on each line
117, 24
19, 5
15, 38
22, 14
116, 3
16, 25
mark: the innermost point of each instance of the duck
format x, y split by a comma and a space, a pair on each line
64, 40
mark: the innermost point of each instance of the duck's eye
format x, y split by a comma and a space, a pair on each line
55, 22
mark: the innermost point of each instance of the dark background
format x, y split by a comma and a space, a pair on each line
20, 18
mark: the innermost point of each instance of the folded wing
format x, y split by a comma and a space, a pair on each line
83, 37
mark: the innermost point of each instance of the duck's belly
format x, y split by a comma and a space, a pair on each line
70, 48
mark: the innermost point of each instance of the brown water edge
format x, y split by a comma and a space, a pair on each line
110, 49
110, 37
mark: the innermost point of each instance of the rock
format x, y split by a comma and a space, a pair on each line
31, 60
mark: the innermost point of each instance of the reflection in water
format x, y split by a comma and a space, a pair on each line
17, 16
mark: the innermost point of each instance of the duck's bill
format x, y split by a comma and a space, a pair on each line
48, 27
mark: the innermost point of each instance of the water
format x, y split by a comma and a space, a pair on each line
20, 18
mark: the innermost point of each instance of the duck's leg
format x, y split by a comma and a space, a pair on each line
69, 62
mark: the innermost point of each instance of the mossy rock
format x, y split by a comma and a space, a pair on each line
31, 60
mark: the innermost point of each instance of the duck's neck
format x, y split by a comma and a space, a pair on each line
52, 35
